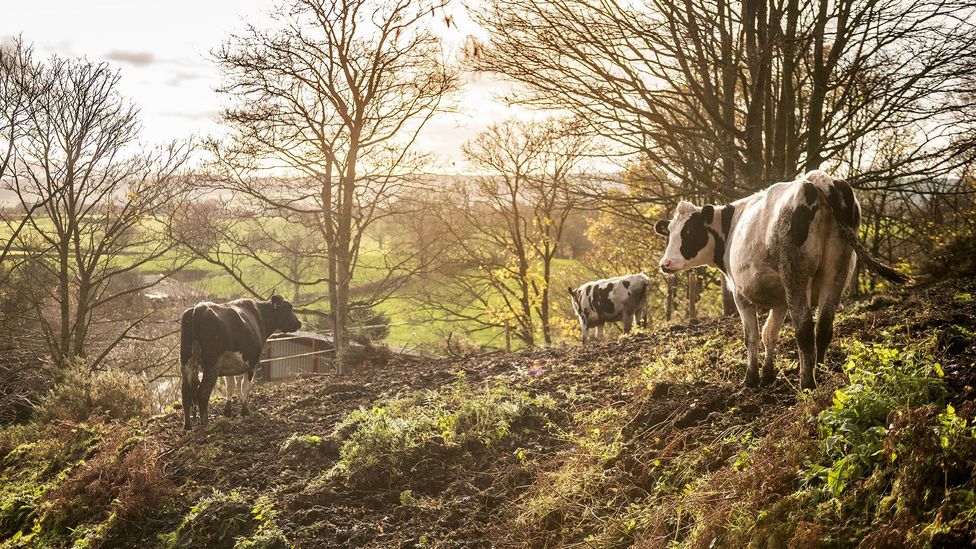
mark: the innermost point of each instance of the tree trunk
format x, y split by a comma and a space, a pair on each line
544, 312
728, 151
332, 249
525, 299
344, 254
754, 21
818, 92
64, 299
295, 274
81, 315
784, 140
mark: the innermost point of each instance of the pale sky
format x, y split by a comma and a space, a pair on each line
162, 50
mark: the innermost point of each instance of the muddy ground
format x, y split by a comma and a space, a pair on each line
468, 496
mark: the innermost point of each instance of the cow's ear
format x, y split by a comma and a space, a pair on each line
276, 300
570, 290
661, 227
709, 212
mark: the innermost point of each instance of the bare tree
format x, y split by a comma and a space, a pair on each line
17, 84
334, 96
726, 97
772, 87
506, 226
90, 198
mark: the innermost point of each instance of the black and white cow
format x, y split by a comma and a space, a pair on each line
611, 300
791, 248
226, 340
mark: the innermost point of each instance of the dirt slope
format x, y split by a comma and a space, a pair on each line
591, 459
471, 495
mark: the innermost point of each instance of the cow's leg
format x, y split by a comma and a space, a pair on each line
797, 296
628, 322
204, 390
750, 329
825, 331
831, 290
188, 388
599, 332
770, 335
246, 393
230, 384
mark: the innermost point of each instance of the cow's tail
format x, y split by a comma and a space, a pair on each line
874, 264
190, 324
186, 336
847, 213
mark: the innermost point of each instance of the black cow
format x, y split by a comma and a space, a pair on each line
226, 340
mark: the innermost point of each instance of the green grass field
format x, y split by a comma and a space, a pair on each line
408, 328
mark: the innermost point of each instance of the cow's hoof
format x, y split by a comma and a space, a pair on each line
245, 411
228, 410
751, 381
187, 427
767, 378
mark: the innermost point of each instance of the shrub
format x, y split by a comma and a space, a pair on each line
888, 464
387, 442
882, 380
458, 345
228, 520
364, 356
582, 494
36, 458
368, 325
122, 481
24, 380
81, 393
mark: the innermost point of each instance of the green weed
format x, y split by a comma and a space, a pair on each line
387, 442
882, 379
228, 520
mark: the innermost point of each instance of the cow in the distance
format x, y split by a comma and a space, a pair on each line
623, 298
791, 248
226, 340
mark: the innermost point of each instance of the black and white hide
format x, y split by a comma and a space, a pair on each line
790, 247
623, 298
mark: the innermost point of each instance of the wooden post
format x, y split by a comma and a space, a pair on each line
508, 336
315, 358
669, 302
267, 365
728, 302
692, 295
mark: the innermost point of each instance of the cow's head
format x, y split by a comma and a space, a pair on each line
576, 295
282, 316
691, 241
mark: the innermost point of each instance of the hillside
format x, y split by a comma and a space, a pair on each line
646, 440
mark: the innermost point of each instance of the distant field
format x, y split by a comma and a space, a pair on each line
407, 329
